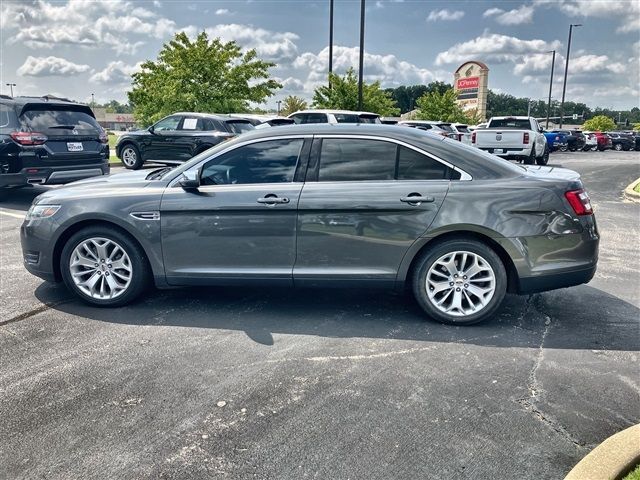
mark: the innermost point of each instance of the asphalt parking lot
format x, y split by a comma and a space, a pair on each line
275, 383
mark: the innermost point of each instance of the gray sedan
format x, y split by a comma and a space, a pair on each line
323, 205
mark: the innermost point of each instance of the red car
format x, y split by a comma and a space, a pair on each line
604, 140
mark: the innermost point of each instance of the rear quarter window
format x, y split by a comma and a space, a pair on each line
5, 116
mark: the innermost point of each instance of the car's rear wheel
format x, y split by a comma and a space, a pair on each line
104, 266
531, 159
617, 147
459, 282
564, 148
544, 159
131, 157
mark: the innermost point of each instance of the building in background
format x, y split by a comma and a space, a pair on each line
114, 121
471, 80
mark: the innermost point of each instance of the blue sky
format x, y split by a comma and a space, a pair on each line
78, 47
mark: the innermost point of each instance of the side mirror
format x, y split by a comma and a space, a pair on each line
190, 180
151, 129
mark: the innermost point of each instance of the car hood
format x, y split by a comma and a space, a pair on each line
118, 183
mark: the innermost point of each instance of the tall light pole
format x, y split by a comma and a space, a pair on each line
278, 103
361, 66
566, 69
92, 100
553, 63
330, 40
11, 85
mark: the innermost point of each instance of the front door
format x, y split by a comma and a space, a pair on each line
161, 143
370, 201
241, 222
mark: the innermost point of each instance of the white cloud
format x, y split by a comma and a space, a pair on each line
115, 72
445, 14
222, 11
517, 16
625, 11
494, 47
387, 69
50, 66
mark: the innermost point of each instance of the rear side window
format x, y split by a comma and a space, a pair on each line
303, 118
347, 118
59, 121
414, 165
192, 124
4, 116
240, 127
345, 159
369, 119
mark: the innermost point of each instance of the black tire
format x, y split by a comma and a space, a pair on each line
4, 193
140, 270
594, 148
429, 257
544, 159
531, 159
563, 148
617, 147
136, 162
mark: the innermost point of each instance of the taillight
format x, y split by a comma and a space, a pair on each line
104, 138
525, 138
29, 138
558, 138
473, 137
579, 201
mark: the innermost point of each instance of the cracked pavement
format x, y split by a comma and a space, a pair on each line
270, 383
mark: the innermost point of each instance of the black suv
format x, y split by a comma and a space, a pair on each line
575, 139
177, 138
49, 140
622, 141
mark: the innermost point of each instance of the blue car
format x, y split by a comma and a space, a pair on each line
556, 141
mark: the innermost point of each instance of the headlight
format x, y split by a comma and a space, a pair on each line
41, 211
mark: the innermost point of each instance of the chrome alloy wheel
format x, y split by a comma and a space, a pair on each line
100, 268
129, 156
460, 283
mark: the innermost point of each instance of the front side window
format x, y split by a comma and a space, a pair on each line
345, 159
167, 124
272, 161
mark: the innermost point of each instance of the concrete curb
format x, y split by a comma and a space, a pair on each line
630, 193
612, 459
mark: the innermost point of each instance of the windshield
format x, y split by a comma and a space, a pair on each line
515, 123
481, 155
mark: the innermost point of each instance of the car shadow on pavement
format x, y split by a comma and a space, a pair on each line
21, 198
580, 318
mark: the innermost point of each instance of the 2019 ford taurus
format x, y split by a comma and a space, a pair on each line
314, 205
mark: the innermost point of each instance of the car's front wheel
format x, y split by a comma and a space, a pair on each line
131, 157
459, 282
104, 266
617, 147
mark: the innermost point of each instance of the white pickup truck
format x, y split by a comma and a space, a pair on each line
513, 138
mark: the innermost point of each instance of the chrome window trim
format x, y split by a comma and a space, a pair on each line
464, 176
172, 182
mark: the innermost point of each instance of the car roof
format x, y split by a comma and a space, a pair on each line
47, 99
346, 112
216, 116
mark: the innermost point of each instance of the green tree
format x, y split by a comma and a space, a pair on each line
292, 104
599, 123
343, 95
442, 106
407, 96
199, 76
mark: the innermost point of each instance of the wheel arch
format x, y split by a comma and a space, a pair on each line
410, 261
72, 229
124, 143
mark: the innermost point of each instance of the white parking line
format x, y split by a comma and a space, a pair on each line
11, 214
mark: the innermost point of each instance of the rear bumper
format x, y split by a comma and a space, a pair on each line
554, 281
52, 175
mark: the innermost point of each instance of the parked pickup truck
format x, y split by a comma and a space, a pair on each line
513, 138
557, 141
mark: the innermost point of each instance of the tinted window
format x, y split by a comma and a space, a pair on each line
302, 118
4, 116
167, 124
192, 123
347, 118
369, 119
343, 159
212, 125
413, 165
51, 121
520, 124
446, 127
273, 161
462, 128
239, 127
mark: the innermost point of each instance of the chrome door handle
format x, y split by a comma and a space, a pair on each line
414, 199
272, 200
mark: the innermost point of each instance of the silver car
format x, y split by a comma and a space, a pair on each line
323, 205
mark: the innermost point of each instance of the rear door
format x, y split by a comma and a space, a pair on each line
364, 203
73, 134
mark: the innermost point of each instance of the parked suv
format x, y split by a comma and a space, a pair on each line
575, 139
438, 128
334, 116
177, 138
48, 140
